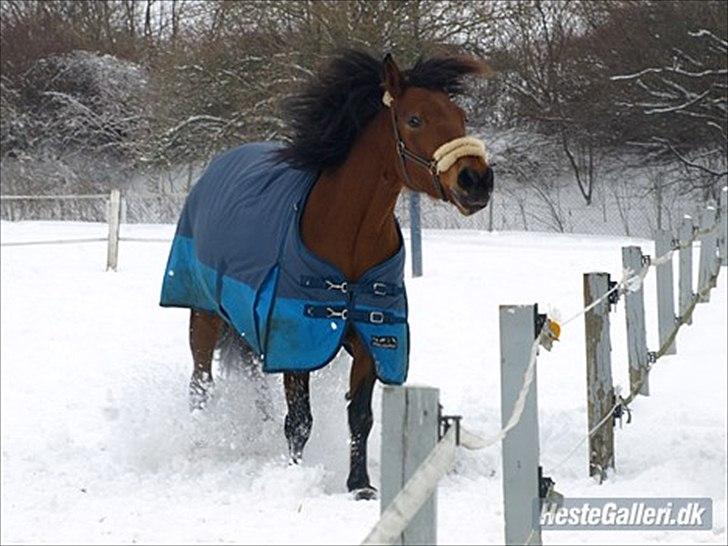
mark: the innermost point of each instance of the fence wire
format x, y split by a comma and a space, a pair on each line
419, 487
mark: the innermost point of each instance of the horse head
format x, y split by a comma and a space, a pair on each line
434, 154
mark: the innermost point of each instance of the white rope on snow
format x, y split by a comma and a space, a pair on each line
413, 495
423, 482
419, 487
55, 242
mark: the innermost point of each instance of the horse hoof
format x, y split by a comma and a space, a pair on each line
365, 493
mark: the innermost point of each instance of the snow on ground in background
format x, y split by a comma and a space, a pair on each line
98, 446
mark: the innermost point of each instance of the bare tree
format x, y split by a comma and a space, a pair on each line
690, 89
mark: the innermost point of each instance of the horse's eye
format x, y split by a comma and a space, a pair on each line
414, 121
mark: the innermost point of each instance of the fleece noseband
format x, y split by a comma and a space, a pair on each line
442, 159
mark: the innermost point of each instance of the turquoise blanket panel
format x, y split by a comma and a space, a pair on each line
236, 303
238, 253
300, 345
388, 345
188, 283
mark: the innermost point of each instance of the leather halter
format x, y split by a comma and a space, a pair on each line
404, 153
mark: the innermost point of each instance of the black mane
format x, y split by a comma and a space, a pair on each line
328, 115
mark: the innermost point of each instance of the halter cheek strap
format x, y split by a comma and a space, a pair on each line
443, 158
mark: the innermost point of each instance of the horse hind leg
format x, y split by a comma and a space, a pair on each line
204, 331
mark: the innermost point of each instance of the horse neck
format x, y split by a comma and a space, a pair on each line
349, 215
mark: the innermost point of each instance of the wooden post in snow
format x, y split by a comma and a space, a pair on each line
685, 234
723, 219
521, 445
635, 316
708, 249
409, 432
114, 219
664, 243
599, 388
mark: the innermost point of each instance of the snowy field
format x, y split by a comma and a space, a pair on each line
98, 446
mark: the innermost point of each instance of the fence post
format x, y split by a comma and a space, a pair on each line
415, 233
685, 234
665, 242
409, 432
635, 314
708, 246
123, 210
114, 218
599, 387
723, 219
520, 446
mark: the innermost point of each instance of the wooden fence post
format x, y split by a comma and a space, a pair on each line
114, 219
708, 247
415, 233
685, 234
520, 446
723, 219
409, 432
123, 214
635, 314
664, 243
599, 387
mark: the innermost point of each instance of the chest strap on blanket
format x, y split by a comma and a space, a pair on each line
375, 288
357, 315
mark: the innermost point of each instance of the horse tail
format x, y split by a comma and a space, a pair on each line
235, 356
236, 359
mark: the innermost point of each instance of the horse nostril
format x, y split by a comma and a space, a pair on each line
467, 178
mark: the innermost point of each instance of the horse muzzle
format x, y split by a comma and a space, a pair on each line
475, 189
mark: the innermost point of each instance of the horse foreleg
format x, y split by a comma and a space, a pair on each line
361, 385
298, 419
204, 331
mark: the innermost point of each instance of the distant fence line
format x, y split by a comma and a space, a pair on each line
513, 208
115, 208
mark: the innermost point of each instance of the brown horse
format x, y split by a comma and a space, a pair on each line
370, 130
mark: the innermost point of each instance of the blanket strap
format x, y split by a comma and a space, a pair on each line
357, 315
373, 288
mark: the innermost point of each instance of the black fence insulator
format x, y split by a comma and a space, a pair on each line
619, 411
538, 321
646, 260
613, 297
445, 422
544, 484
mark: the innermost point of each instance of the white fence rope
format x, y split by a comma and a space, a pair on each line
624, 402
417, 490
419, 487
97, 240
145, 240
53, 197
104, 196
54, 242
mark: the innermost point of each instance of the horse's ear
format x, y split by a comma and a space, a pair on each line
393, 79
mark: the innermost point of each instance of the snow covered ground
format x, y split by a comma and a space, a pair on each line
98, 446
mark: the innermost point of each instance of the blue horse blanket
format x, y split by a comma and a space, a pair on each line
238, 253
